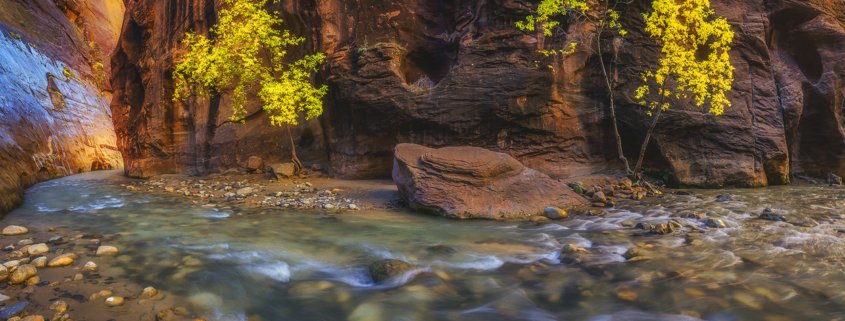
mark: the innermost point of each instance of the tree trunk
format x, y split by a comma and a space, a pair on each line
646, 141
297, 165
609, 85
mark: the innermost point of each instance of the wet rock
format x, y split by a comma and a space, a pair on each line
636, 254
770, 215
4, 273
715, 223
539, 219
599, 197
59, 307
13, 310
555, 213
37, 249
149, 292
627, 295
660, 229
12, 264
471, 182
33, 318
572, 248
386, 269
367, 312
22, 273
834, 180
310, 288
106, 250
13, 230
442, 249
114, 301
283, 170
40, 261
25, 242
62, 260
89, 267
254, 163
724, 198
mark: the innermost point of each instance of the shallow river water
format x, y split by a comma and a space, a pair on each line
231, 264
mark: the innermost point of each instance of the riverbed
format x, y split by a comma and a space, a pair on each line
229, 263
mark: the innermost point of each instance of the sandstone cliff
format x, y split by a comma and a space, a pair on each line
54, 117
443, 73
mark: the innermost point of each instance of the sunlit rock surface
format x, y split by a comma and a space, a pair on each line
54, 115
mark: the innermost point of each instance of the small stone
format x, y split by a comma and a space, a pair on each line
62, 260
716, 223
149, 292
114, 301
13, 310
33, 280
244, 191
12, 264
4, 273
539, 219
25, 242
770, 215
385, 269
599, 197
40, 262
33, 318
89, 267
834, 180
572, 248
627, 295
555, 213
22, 273
59, 307
106, 250
39, 248
724, 198
13, 230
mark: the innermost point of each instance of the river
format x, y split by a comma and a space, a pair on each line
254, 264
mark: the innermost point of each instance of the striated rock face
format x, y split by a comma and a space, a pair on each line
472, 182
54, 119
443, 73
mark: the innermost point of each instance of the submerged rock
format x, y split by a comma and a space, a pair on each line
13, 230
13, 310
472, 182
62, 260
39, 248
23, 273
770, 215
107, 250
386, 269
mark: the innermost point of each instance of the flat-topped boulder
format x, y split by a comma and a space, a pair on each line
471, 182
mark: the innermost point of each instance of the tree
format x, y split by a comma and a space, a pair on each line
694, 61
605, 18
247, 56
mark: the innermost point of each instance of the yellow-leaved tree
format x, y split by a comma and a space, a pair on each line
603, 16
247, 56
694, 64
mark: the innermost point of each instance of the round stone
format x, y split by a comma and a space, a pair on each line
23, 273
12, 230
106, 250
39, 248
114, 301
62, 260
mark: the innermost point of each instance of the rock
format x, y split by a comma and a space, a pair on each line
39, 248
33, 318
770, 215
369, 311
25, 242
661, 229
715, 223
636, 254
106, 250
13, 310
40, 262
572, 248
13, 230
254, 163
834, 180
4, 273
283, 170
12, 264
471, 182
62, 260
627, 295
149, 292
246, 191
89, 267
22, 273
599, 197
386, 269
724, 198
114, 301
539, 219
59, 307
555, 213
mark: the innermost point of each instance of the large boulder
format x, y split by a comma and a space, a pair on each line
471, 182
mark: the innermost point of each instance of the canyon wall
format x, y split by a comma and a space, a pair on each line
442, 73
54, 115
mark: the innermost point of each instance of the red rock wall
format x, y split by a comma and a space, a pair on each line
458, 72
54, 117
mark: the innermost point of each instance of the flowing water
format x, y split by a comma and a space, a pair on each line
232, 264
